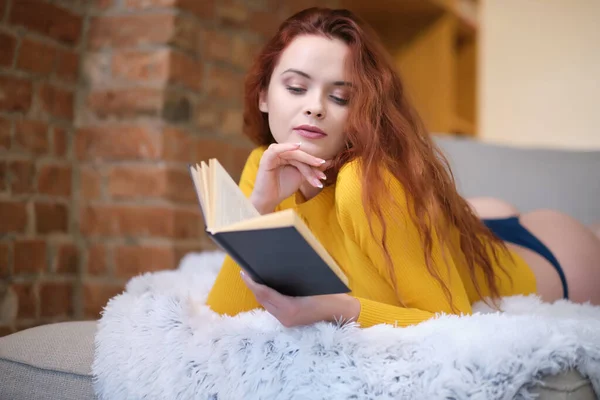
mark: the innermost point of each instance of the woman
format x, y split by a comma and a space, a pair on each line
339, 142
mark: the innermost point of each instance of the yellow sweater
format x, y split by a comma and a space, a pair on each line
337, 218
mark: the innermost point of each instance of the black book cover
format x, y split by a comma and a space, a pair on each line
281, 259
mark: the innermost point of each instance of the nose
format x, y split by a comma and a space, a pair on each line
316, 109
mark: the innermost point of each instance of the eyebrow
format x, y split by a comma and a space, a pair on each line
307, 76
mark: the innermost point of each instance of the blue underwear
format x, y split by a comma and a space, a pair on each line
511, 230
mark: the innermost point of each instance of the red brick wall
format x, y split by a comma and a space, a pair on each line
102, 106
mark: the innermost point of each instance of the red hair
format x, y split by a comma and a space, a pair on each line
383, 132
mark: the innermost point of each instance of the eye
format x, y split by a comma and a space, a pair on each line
339, 100
295, 90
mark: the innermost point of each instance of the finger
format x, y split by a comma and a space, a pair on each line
309, 173
326, 165
271, 157
302, 156
264, 294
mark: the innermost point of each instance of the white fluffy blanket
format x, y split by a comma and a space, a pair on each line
158, 340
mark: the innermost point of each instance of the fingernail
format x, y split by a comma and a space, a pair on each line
299, 144
322, 175
318, 183
242, 274
322, 161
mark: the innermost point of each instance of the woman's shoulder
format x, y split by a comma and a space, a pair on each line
351, 177
350, 182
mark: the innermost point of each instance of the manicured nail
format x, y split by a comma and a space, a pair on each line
322, 175
298, 144
322, 161
318, 183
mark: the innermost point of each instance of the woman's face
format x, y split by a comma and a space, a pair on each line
308, 94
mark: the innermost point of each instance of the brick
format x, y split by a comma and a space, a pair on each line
187, 224
264, 23
5, 128
102, 4
187, 34
60, 142
56, 299
97, 69
55, 180
239, 156
185, 71
3, 176
15, 94
224, 84
181, 250
3, 4
141, 65
207, 115
5, 251
211, 148
178, 145
13, 216
30, 256
96, 260
117, 142
127, 220
131, 30
149, 4
137, 181
32, 137
232, 13
96, 295
90, 181
231, 123
134, 260
145, 221
36, 57
125, 103
8, 44
244, 51
177, 107
27, 297
51, 218
48, 19
56, 101
67, 259
217, 45
179, 187
67, 67
21, 176
5, 330
201, 9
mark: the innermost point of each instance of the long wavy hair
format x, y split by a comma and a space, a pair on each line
383, 132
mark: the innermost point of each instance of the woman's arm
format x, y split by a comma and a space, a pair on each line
229, 295
419, 291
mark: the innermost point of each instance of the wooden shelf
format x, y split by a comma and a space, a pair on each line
434, 45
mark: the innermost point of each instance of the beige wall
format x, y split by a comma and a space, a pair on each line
540, 72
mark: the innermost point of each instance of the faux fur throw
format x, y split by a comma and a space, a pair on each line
158, 340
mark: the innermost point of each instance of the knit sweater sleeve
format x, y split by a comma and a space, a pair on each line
420, 293
229, 295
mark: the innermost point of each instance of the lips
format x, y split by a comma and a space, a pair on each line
310, 132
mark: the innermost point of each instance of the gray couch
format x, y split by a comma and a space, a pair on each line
54, 361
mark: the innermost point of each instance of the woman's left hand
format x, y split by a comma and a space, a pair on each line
296, 311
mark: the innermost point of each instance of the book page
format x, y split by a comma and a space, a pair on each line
230, 203
200, 188
208, 197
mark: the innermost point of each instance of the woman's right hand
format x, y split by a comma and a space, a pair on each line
282, 169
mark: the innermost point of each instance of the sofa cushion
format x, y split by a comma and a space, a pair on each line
48, 362
529, 178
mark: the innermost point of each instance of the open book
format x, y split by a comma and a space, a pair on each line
277, 249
